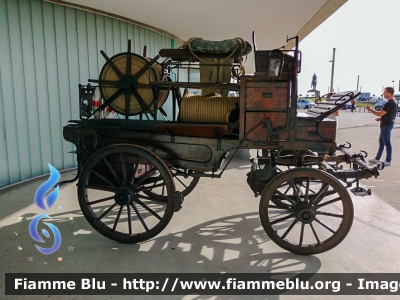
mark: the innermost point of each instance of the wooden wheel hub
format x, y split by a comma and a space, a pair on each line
123, 195
127, 84
305, 212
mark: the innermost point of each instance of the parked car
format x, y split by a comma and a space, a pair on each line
348, 106
305, 103
397, 98
374, 99
379, 104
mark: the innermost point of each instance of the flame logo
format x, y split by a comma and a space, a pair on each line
35, 235
40, 202
45, 187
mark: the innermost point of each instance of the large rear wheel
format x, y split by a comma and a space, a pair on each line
111, 193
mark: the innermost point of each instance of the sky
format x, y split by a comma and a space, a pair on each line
366, 36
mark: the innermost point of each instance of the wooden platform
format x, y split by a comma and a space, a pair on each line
324, 108
207, 130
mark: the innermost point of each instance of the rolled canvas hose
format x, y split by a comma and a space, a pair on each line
209, 110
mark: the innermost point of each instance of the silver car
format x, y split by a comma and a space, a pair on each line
305, 103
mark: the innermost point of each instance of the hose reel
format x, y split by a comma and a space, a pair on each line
124, 83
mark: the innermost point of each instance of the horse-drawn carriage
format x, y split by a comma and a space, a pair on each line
134, 173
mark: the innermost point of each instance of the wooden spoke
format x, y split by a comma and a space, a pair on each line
301, 234
143, 85
296, 192
149, 188
123, 168
324, 225
148, 209
101, 200
117, 218
315, 234
329, 214
307, 190
278, 207
106, 212
177, 178
290, 228
183, 181
129, 219
327, 203
111, 63
139, 216
127, 105
99, 188
318, 197
286, 198
283, 219
128, 60
145, 68
112, 170
103, 178
136, 165
142, 103
145, 176
106, 83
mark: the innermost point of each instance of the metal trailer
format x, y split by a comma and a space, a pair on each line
133, 174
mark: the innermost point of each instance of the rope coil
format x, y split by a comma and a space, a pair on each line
196, 108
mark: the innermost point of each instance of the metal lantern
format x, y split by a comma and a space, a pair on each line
275, 64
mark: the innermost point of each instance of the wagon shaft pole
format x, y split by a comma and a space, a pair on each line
361, 170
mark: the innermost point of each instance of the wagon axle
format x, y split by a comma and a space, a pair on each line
305, 212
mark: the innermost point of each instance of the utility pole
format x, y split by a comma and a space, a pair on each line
358, 80
333, 68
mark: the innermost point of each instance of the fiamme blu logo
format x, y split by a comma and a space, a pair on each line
41, 200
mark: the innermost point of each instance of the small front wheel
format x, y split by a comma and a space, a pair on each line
306, 211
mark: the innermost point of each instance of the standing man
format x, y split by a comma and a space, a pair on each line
353, 104
386, 116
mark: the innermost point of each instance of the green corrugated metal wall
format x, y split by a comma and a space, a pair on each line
46, 50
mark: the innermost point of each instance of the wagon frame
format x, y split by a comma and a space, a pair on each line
128, 169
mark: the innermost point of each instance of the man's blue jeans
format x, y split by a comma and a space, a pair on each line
384, 141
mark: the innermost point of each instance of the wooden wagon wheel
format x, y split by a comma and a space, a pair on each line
304, 217
111, 193
183, 183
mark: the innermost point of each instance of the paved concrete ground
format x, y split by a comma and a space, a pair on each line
218, 230
362, 131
